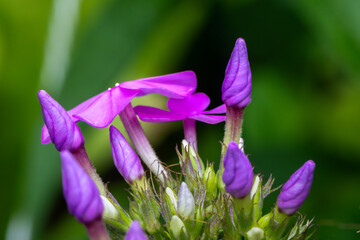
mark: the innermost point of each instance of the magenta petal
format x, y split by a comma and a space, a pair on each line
210, 119
135, 232
80, 192
151, 114
217, 110
174, 85
189, 105
99, 111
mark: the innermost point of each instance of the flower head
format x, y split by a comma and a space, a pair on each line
135, 232
238, 174
100, 110
236, 88
296, 189
190, 107
126, 160
63, 132
80, 192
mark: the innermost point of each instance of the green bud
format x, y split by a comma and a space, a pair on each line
210, 182
190, 154
265, 220
171, 199
255, 234
177, 226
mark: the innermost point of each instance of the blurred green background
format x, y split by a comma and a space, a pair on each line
305, 59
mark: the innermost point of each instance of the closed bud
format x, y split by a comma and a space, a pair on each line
255, 234
186, 202
109, 209
238, 174
210, 181
296, 189
177, 227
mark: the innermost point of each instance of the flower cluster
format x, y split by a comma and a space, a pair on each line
198, 202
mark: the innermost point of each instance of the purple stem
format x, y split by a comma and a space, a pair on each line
141, 143
97, 231
190, 132
84, 161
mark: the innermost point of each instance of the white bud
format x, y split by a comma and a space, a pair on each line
186, 202
172, 197
255, 234
109, 210
176, 225
254, 187
241, 144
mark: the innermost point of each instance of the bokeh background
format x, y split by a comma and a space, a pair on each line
305, 60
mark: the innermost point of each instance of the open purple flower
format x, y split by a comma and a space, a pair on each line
126, 160
238, 174
296, 189
80, 192
100, 110
188, 109
64, 133
236, 88
135, 232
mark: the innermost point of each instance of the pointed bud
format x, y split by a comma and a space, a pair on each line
236, 88
126, 160
186, 202
64, 133
109, 209
80, 192
210, 181
177, 226
172, 197
296, 189
135, 232
238, 174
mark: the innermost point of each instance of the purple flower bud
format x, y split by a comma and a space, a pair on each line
64, 133
80, 192
126, 160
236, 88
135, 232
238, 174
296, 189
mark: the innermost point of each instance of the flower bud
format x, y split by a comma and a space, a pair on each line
210, 182
236, 88
186, 202
238, 174
296, 189
80, 192
255, 234
64, 133
176, 226
109, 209
135, 232
125, 159
172, 197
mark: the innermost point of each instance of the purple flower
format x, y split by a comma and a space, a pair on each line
135, 232
80, 192
238, 174
64, 133
100, 110
296, 189
126, 160
236, 88
189, 107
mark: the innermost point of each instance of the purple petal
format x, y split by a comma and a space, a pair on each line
80, 192
174, 85
189, 105
296, 189
99, 111
210, 119
151, 114
236, 88
238, 175
60, 128
217, 110
126, 160
135, 232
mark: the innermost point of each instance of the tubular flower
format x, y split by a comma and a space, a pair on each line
135, 232
100, 110
296, 189
80, 192
238, 174
64, 133
236, 88
126, 160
